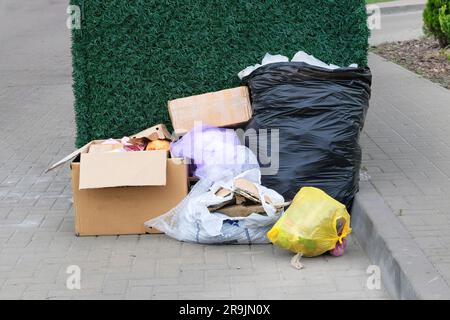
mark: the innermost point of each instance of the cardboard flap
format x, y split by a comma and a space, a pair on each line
154, 133
83, 149
248, 190
123, 169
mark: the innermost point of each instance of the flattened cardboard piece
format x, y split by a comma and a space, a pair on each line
248, 190
223, 193
121, 211
102, 148
246, 195
220, 109
68, 158
216, 207
158, 132
240, 199
242, 211
244, 202
123, 169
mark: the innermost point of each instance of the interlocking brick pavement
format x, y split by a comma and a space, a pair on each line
407, 155
37, 241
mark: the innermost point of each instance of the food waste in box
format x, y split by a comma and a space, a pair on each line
115, 192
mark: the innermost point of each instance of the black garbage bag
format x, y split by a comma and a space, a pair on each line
320, 114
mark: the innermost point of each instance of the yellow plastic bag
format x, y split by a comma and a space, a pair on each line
309, 225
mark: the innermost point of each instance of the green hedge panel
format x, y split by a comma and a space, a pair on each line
131, 57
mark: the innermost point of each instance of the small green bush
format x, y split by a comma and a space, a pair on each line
444, 20
436, 17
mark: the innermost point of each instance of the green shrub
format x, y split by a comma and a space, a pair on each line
131, 56
444, 19
436, 18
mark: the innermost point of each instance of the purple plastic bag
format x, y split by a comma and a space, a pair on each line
216, 153
339, 250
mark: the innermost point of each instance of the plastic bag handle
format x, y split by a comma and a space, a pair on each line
346, 230
269, 208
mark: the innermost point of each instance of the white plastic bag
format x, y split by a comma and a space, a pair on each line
268, 59
191, 220
300, 56
216, 152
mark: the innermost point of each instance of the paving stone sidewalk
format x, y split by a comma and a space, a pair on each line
37, 242
407, 154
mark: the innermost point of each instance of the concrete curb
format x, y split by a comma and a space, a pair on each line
405, 270
387, 8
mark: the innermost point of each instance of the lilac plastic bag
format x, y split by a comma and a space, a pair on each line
216, 153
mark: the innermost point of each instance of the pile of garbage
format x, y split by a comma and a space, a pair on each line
206, 184
228, 204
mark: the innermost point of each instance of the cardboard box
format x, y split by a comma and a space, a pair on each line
115, 193
225, 108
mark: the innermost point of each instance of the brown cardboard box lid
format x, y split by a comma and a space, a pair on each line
154, 133
69, 157
123, 169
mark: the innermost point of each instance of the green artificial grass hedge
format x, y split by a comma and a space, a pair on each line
131, 57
